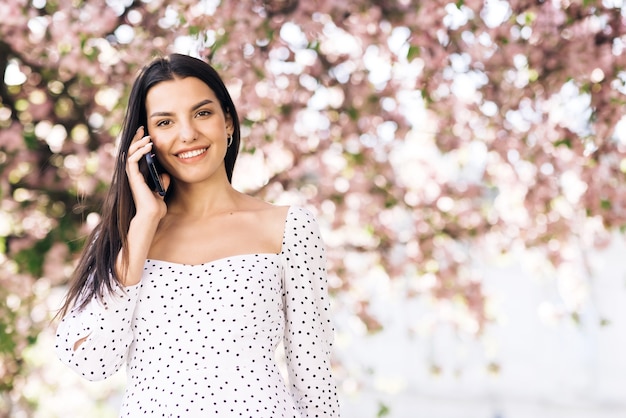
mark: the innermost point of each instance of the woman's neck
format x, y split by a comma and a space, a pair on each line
202, 200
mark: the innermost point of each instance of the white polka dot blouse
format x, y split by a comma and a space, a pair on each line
200, 340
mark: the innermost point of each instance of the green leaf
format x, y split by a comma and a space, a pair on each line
383, 410
564, 142
413, 52
356, 158
31, 259
353, 113
7, 342
30, 140
285, 109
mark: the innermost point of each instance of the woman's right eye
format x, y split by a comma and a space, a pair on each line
163, 122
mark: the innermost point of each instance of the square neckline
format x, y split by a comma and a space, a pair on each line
232, 256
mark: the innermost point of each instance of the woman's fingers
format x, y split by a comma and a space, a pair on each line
137, 139
147, 201
139, 147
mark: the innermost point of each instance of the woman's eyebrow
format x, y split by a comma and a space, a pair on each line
202, 103
194, 107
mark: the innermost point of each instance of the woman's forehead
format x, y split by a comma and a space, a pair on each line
179, 93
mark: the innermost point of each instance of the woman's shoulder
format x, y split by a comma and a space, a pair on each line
286, 214
265, 212
279, 217
300, 222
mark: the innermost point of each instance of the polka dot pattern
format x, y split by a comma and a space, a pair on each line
199, 340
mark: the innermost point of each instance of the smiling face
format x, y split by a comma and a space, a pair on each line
188, 128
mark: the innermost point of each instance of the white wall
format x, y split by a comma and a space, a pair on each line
549, 366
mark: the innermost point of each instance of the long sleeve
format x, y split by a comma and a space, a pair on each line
308, 333
106, 323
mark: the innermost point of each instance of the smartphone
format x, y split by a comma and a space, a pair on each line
154, 181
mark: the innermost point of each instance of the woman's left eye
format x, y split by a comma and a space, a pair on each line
203, 113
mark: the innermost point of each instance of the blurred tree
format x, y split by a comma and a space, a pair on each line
425, 133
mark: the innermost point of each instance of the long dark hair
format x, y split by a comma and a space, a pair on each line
95, 273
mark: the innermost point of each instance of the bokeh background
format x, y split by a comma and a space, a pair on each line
466, 161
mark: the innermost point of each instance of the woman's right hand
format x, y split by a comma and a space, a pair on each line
147, 202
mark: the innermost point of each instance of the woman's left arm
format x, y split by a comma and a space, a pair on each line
94, 340
308, 327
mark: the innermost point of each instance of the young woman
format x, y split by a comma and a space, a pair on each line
194, 290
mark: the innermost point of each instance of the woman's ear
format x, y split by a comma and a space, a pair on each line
230, 128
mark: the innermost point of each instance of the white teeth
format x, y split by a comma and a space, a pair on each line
190, 154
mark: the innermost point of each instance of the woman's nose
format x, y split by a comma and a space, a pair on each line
187, 132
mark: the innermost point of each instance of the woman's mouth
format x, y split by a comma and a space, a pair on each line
191, 154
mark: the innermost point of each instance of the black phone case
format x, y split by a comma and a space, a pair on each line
152, 178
